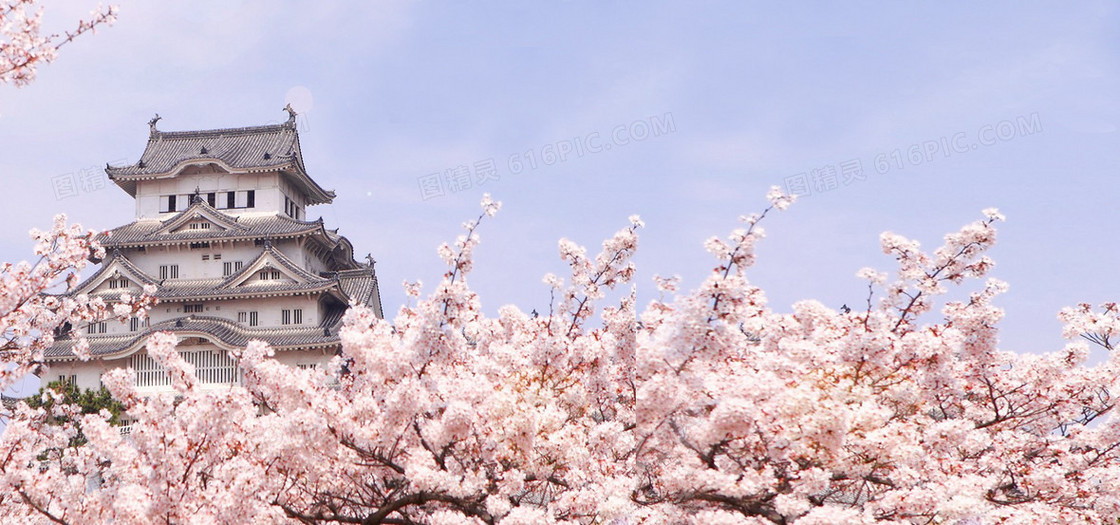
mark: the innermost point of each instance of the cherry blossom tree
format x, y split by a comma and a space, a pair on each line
702, 407
34, 307
23, 46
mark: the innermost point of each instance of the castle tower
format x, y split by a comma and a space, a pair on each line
221, 231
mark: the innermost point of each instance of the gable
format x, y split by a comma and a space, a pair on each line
198, 224
199, 218
269, 268
269, 274
116, 282
117, 275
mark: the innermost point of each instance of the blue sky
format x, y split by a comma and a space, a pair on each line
1023, 98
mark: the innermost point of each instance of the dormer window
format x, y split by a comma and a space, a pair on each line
269, 274
199, 226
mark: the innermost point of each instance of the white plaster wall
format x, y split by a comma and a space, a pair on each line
267, 185
191, 265
268, 310
87, 373
298, 253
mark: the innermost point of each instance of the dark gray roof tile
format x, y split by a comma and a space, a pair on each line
247, 149
222, 331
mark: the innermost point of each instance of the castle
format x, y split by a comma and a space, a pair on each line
221, 232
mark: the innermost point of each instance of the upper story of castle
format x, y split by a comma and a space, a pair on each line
248, 171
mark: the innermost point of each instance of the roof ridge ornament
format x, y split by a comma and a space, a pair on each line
152, 125
291, 123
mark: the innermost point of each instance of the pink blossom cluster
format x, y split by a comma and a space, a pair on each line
34, 305
707, 408
23, 46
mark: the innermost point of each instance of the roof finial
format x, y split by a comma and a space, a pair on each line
370, 261
152, 124
291, 114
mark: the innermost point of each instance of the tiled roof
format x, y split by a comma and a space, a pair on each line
357, 286
360, 285
236, 147
199, 209
116, 258
175, 290
140, 275
223, 332
256, 148
10, 402
271, 253
154, 232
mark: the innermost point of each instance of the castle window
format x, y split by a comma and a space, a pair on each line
206, 257
252, 318
169, 271
211, 199
200, 245
291, 209
167, 203
192, 308
229, 268
291, 316
210, 367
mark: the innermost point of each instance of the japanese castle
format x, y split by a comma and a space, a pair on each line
222, 234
